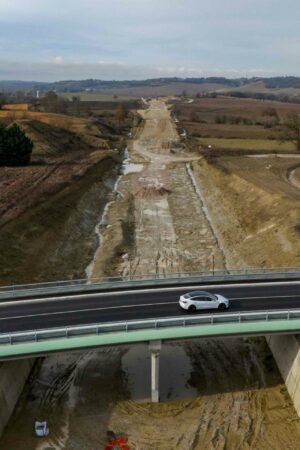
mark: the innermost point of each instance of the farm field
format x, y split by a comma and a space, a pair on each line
86, 96
207, 108
253, 200
155, 90
260, 87
248, 144
236, 124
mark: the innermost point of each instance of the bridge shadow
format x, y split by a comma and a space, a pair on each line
85, 395
231, 365
193, 368
76, 393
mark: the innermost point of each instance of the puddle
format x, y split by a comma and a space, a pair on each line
174, 373
131, 168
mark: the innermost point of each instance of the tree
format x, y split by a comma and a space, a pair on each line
193, 116
2, 100
15, 146
270, 112
120, 114
291, 128
184, 94
54, 104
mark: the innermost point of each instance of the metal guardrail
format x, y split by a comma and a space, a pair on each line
81, 285
149, 324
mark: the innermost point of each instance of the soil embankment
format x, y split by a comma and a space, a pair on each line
293, 176
254, 208
157, 224
49, 209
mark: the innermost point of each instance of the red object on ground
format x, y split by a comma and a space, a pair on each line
119, 443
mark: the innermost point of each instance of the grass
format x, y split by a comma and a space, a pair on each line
248, 144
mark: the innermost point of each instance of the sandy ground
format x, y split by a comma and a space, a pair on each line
217, 395
254, 205
168, 233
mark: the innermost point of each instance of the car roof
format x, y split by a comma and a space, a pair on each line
194, 293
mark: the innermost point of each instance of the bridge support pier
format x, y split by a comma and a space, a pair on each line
155, 348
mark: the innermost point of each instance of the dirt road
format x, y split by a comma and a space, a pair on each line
170, 231
222, 394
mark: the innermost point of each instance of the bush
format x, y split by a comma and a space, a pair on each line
15, 146
220, 120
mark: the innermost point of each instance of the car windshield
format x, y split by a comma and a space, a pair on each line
202, 295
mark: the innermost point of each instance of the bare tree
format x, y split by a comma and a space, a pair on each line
292, 130
184, 94
121, 113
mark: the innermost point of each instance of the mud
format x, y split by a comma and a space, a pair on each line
217, 394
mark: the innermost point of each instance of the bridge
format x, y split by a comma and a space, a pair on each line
40, 319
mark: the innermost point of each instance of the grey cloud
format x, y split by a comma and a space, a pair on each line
145, 34
59, 70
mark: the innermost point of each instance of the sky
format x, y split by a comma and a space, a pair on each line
49, 40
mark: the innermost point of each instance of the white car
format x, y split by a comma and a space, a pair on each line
202, 300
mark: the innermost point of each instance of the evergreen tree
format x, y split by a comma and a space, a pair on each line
15, 146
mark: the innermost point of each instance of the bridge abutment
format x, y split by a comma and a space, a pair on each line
155, 348
13, 376
286, 352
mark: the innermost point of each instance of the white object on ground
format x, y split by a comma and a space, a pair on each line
41, 429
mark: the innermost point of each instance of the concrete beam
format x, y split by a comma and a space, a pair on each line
155, 348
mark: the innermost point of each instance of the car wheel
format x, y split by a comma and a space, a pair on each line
222, 307
192, 308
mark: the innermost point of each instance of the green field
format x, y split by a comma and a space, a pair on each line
248, 144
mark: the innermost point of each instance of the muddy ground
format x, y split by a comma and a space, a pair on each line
49, 209
158, 224
217, 394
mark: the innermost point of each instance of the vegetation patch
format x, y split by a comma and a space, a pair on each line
248, 144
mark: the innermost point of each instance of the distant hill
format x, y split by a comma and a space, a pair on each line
162, 86
101, 85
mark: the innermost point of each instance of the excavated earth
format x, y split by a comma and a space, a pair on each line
217, 394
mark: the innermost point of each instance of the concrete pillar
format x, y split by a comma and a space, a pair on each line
155, 347
286, 352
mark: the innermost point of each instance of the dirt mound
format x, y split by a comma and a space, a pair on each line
151, 191
69, 126
49, 139
293, 176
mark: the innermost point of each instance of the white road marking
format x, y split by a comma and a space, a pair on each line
145, 291
86, 310
137, 305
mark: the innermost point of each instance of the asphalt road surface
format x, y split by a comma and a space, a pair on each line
116, 306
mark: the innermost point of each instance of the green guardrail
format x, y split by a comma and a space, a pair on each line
40, 342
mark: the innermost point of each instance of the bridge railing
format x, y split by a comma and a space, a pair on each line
94, 284
149, 324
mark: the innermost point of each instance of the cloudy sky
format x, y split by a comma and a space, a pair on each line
135, 39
